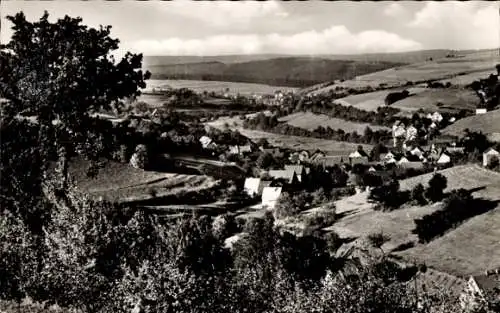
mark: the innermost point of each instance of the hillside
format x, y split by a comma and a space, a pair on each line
289, 71
483, 247
121, 182
488, 123
471, 64
400, 57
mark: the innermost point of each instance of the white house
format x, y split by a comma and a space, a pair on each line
417, 152
270, 197
489, 155
436, 117
481, 111
411, 133
251, 186
444, 159
206, 142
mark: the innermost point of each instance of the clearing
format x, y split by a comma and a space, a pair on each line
311, 121
446, 253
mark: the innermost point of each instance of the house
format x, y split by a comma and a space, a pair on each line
372, 169
254, 186
358, 157
444, 159
287, 175
270, 196
240, 149
303, 155
411, 133
490, 155
416, 151
480, 286
436, 117
388, 158
332, 160
251, 186
455, 150
207, 142
318, 154
481, 111
299, 171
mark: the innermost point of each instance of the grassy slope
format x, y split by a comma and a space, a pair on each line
311, 121
453, 100
470, 248
117, 181
486, 123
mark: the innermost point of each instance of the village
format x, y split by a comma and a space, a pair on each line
353, 180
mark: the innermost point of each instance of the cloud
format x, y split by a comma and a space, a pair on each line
333, 40
394, 10
460, 25
226, 13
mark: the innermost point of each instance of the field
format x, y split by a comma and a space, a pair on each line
453, 100
446, 253
311, 121
122, 182
331, 147
440, 69
217, 86
372, 100
488, 123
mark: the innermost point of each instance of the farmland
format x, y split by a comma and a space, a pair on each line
486, 123
442, 100
440, 69
311, 121
482, 249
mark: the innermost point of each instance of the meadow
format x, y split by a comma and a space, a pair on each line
488, 123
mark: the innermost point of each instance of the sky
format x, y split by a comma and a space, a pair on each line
248, 27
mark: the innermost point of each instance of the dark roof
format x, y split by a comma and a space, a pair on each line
412, 158
488, 283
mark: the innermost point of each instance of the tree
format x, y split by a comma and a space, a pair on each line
265, 160
61, 72
436, 188
417, 194
378, 149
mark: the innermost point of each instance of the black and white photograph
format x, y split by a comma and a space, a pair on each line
249, 156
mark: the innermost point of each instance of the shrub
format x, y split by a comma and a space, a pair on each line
436, 188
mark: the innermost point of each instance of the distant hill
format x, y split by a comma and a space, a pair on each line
399, 57
284, 71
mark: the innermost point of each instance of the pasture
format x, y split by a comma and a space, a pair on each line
311, 121
488, 123
442, 100
446, 253
232, 88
